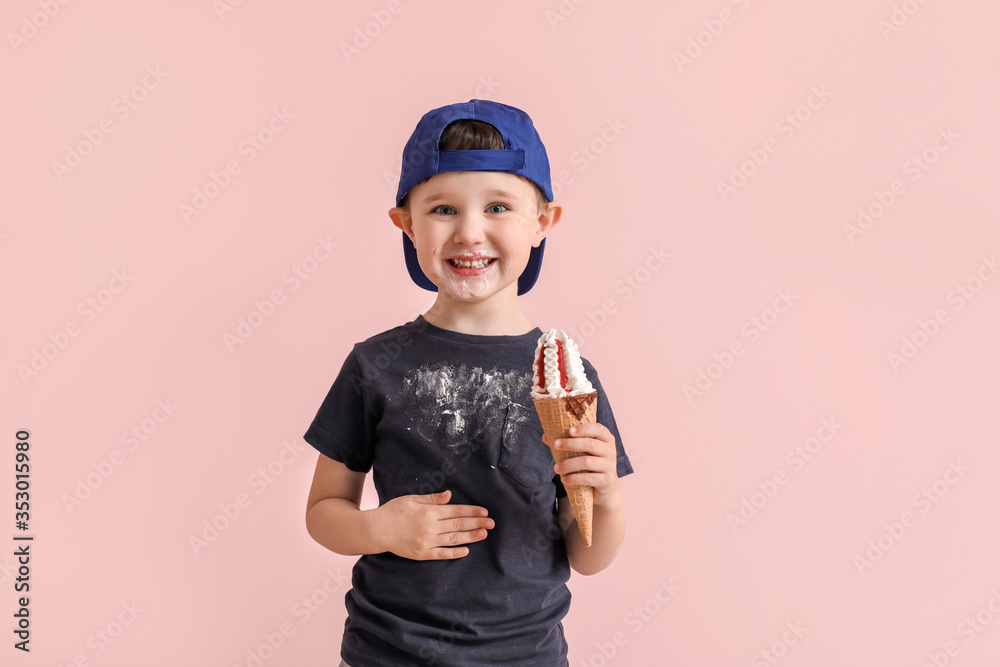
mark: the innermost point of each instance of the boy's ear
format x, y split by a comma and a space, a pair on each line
547, 219
401, 218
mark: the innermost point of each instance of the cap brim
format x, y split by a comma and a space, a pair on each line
524, 282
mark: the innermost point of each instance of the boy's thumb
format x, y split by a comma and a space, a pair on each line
442, 498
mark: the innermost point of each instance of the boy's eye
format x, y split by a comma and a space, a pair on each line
444, 209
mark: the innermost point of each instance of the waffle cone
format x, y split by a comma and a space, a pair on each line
558, 415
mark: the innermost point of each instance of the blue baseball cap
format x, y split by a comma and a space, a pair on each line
523, 154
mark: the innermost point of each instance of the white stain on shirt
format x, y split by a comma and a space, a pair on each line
455, 405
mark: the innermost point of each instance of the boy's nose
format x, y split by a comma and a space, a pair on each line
470, 230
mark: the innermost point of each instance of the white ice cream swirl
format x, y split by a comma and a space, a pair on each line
576, 377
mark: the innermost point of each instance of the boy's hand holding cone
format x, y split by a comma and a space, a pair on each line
564, 398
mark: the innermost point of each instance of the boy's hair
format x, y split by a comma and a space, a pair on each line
471, 135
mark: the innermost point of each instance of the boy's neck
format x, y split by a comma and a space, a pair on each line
479, 319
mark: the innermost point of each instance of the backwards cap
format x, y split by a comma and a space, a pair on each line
523, 154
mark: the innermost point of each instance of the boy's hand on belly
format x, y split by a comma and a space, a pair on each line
425, 527
598, 467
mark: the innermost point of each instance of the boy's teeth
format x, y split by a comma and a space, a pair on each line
478, 264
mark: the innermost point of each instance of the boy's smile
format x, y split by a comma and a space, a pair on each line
473, 231
471, 264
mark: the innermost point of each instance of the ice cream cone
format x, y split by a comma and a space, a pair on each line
557, 416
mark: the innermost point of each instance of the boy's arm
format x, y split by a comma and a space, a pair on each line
420, 527
334, 517
597, 468
609, 533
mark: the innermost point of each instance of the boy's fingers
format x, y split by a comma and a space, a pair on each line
444, 553
459, 511
584, 444
466, 537
472, 536
600, 475
466, 524
591, 445
592, 430
574, 464
581, 479
440, 498
578, 464
573, 444
584, 430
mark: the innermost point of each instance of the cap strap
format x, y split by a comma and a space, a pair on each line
482, 160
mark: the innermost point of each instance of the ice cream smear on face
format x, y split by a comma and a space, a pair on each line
558, 370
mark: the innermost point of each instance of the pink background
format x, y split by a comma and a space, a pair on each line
695, 584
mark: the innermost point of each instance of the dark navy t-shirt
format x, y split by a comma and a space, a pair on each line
428, 409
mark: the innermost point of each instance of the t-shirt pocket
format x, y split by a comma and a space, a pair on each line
523, 455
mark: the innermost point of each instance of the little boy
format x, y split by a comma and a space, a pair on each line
466, 558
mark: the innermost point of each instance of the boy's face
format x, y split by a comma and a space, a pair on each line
474, 214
